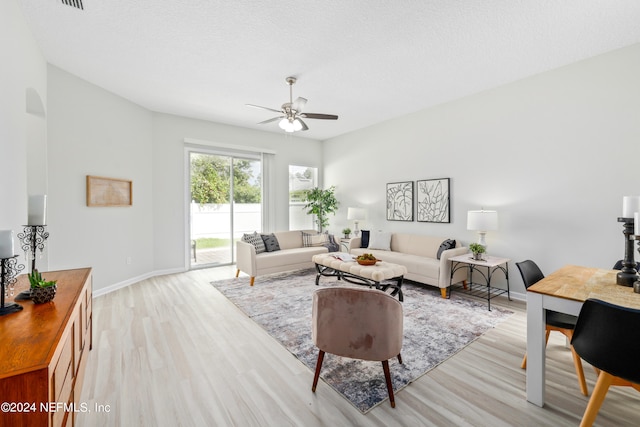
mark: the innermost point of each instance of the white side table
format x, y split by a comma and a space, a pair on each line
345, 242
491, 264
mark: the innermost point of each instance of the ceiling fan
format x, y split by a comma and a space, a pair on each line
291, 113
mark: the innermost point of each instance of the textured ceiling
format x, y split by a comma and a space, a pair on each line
364, 60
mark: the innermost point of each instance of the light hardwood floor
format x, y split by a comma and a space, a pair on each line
172, 351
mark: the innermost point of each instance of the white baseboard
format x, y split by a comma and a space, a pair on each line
128, 282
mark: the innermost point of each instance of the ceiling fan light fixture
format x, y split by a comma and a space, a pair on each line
297, 125
286, 125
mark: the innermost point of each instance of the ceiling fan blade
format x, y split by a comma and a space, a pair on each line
271, 120
299, 104
304, 125
264, 108
319, 116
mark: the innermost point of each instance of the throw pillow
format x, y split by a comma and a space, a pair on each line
447, 244
270, 242
332, 245
364, 240
318, 239
255, 240
380, 241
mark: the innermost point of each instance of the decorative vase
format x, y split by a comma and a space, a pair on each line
42, 295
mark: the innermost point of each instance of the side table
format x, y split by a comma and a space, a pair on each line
344, 243
486, 268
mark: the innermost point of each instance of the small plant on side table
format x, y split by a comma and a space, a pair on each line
477, 249
346, 232
41, 290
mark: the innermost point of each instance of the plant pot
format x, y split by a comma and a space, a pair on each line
477, 256
42, 295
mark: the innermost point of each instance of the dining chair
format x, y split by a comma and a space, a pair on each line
560, 322
361, 324
608, 337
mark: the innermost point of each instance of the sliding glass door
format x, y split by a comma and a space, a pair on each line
226, 201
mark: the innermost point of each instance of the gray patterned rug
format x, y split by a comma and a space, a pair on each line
434, 330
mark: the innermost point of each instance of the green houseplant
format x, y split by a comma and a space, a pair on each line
41, 290
346, 232
321, 203
477, 249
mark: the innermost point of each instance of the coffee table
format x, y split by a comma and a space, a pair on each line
370, 275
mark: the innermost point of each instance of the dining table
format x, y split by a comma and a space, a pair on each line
565, 290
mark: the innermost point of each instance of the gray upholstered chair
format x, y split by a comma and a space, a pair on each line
357, 323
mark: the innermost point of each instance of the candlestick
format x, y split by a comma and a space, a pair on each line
8, 271
628, 274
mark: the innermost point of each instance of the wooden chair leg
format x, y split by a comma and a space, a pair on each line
580, 372
399, 358
318, 367
253, 279
387, 376
464, 285
237, 272
443, 292
599, 392
523, 365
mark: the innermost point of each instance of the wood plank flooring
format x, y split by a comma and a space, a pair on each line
172, 351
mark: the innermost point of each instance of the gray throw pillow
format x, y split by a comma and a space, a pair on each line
270, 242
447, 244
255, 240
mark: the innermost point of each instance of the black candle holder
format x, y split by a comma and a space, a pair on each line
628, 274
9, 269
32, 238
636, 284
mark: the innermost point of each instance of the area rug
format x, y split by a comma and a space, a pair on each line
434, 330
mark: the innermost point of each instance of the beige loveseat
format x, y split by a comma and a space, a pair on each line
418, 254
293, 255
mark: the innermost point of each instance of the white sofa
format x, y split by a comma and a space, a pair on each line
418, 253
292, 255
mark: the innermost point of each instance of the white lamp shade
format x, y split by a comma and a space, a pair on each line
356, 214
482, 220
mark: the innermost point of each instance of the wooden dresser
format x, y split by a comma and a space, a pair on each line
43, 353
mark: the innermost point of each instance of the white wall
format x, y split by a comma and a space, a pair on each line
169, 175
94, 132
554, 154
23, 68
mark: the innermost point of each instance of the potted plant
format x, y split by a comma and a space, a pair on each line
346, 232
41, 290
321, 203
477, 249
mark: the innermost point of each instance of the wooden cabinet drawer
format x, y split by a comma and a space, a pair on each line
63, 369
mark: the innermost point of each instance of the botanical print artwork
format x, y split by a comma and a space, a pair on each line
433, 200
400, 201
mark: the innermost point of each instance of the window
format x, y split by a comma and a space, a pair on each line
301, 179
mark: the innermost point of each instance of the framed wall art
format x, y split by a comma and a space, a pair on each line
432, 200
108, 191
400, 201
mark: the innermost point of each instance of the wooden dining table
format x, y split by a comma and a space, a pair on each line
565, 290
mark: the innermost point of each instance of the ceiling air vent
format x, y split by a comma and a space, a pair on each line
74, 3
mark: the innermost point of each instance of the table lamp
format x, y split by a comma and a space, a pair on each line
482, 221
355, 215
